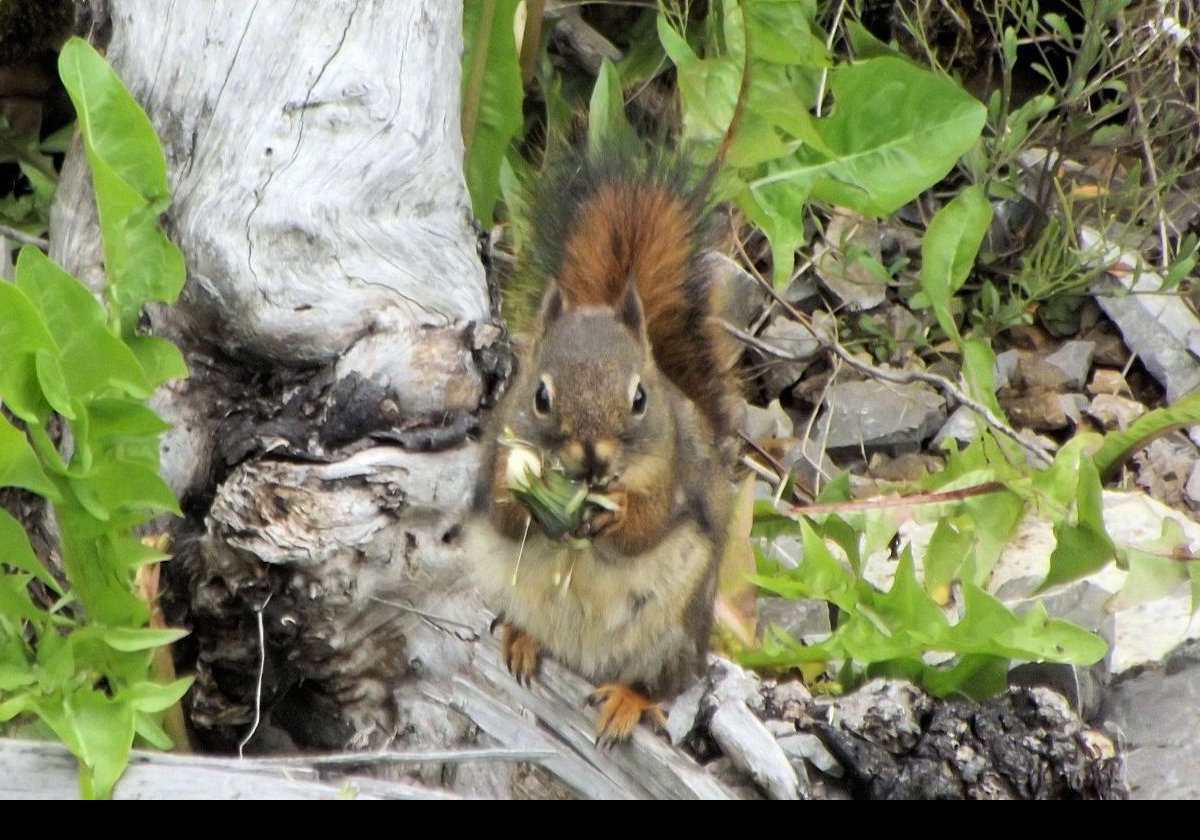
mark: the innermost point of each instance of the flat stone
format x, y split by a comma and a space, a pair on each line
796, 341
745, 297
804, 620
1110, 350
851, 281
1156, 327
963, 426
1158, 712
771, 422
879, 414
1041, 411
1074, 359
1107, 381
1005, 368
1192, 488
807, 461
1113, 412
1035, 373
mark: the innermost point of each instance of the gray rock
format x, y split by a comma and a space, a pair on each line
963, 426
1159, 713
804, 620
1005, 367
1192, 488
1157, 328
1113, 412
807, 461
807, 747
1074, 359
766, 423
879, 414
745, 297
1079, 686
794, 340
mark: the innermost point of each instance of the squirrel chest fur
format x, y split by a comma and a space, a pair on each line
625, 387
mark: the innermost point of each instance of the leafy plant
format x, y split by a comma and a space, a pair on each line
74, 378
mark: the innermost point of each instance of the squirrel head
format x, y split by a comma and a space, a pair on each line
589, 394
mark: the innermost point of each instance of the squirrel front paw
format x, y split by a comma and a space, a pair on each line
519, 652
605, 520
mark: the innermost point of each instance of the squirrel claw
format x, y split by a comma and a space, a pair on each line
520, 654
621, 707
603, 520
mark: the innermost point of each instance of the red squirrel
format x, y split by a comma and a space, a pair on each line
627, 386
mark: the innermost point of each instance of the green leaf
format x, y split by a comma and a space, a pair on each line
92, 359
130, 639
22, 334
894, 131
116, 486
948, 252
608, 127
156, 697
129, 175
948, 548
161, 360
1119, 446
104, 729
19, 466
1084, 547
16, 553
492, 98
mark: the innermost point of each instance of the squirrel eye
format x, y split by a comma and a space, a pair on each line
639, 400
541, 400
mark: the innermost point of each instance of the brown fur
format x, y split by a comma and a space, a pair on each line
642, 232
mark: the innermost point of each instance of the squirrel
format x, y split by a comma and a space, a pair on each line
627, 385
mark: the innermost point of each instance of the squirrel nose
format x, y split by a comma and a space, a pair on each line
590, 460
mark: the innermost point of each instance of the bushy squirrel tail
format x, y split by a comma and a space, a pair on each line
598, 221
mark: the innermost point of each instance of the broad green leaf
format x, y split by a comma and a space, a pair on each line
19, 466
492, 98
92, 359
156, 697
129, 175
22, 334
104, 729
15, 601
1083, 547
126, 486
608, 127
948, 253
132, 639
16, 553
161, 360
948, 548
147, 727
893, 131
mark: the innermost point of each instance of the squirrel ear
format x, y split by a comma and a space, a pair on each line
552, 306
629, 310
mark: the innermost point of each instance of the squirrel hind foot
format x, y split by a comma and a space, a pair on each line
621, 708
520, 654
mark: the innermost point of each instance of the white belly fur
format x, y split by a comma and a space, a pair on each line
580, 609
